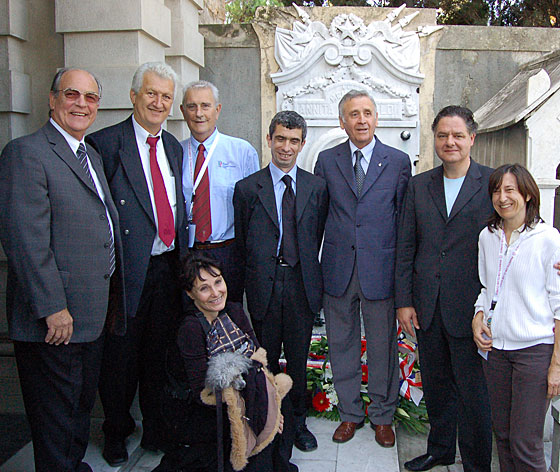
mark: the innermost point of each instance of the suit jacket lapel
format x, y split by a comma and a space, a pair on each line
377, 165
303, 192
63, 150
266, 194
177, 173
132, 164
344, 163
435, 187
471, 185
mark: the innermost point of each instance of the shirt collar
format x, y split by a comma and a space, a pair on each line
207, 142
142, 133
367, 151
277, 173
71, 140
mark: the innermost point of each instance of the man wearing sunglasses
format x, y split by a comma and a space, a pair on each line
60, 231
143, 166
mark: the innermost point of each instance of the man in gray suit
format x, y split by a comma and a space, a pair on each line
366, 181
59, 229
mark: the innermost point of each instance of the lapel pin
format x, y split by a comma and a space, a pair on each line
379, 164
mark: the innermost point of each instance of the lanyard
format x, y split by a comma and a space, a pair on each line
503, 266
209, 155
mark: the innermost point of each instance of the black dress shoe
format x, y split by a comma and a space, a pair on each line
305, 441
427, 462
114, 451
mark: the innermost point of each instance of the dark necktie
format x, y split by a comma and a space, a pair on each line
81, 154
359, 172
201, 204
166, 225
289, 246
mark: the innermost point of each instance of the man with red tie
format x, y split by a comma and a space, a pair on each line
213, 163
143, 165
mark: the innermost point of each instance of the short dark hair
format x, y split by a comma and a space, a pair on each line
461, 112
288, 119
191, 266
527, 188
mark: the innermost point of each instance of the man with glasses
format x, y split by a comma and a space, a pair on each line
59, 229
143, 167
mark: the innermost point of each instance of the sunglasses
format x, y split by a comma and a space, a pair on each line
73, 95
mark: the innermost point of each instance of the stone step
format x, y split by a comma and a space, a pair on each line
361, 454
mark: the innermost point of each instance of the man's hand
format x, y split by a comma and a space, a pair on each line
553, 380
408, 319
60, 327
481, 333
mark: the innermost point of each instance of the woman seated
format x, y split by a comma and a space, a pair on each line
196, 339
516, 324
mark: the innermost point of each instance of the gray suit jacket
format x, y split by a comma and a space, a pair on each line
437, 254
53, 228
362, 229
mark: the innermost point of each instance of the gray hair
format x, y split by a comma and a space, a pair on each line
349, 96
159, 68
202, 84
55, 85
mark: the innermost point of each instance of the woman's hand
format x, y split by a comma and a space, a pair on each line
481, 333
553, 380
281, 425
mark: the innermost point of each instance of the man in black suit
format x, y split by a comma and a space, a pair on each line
143, 167
280, 214
60, 232
436, 287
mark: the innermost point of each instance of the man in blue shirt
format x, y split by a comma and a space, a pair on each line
212, 164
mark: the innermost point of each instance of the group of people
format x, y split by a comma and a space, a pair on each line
129, 253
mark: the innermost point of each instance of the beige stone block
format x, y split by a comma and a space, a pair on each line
150, 16
13, 18
15, 92
12, 53
186, 40
12, 125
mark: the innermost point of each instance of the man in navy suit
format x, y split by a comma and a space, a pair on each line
280, 214
366, 181
60, 231
143, 166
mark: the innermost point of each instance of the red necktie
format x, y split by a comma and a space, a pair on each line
166, 225
201, 204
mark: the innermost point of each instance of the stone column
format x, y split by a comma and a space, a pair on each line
185, 55
111, 39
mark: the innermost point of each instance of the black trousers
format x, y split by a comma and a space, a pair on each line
136, 360
456, 396
288, 322
59, 384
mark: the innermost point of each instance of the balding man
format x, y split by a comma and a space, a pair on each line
213, 163
59, 229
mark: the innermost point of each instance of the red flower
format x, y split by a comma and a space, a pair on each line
312, 355
321, 402
364, 374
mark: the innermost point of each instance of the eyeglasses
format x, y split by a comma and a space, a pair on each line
73, 95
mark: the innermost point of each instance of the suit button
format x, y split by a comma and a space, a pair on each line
126, 231
106, 276
106, 245
271, 278
102, 217
443, 254
122, 202
353, 248
437, 275
358, 225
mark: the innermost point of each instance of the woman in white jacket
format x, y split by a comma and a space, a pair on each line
517, 317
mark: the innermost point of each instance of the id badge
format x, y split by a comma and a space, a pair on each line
192, 232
